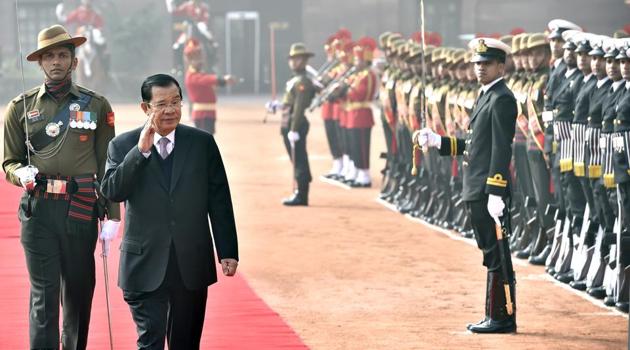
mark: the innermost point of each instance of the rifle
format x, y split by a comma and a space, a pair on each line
330, 89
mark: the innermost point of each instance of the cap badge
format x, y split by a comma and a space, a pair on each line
481, 48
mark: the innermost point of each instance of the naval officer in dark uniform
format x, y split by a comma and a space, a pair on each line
487, 150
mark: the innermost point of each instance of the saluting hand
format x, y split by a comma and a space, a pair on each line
146, 135
229, 266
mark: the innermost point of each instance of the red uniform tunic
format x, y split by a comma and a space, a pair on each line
200, 88
82, 16
360, 96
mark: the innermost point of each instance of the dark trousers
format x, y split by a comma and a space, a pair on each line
605, 212
170, 312
207, 124
590, 199
332, 135
556, 177
573, 194
624, 213
541, 181
360, 147
524, 184
301, 168
485, 235
60, 262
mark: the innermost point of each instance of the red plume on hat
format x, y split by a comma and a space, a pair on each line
417, 37
517, 31
626, 28
192, 48
364, 48
495, 35
344, 34
433, 38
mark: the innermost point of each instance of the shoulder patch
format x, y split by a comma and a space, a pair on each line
110, 119
87, 91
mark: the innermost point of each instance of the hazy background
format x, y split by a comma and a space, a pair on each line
140, 34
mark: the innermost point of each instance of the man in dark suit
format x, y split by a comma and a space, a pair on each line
171, 178
487, 151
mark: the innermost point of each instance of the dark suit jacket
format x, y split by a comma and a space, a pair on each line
159, 214
487, 148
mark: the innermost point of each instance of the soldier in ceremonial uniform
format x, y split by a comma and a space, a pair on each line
572, 196
68, 128
362, 87
294, 127
581, 152
200, 87
621, 159
593, 168
487, 150
609, 114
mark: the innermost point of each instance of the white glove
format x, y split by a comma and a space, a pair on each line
109, 231
170, 6
293, 136
26, 175
495, 206
426, 137
272, 106
59, 11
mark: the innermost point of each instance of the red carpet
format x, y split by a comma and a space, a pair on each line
236, 318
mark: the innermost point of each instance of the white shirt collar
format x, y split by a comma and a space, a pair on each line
170, 137
570, 72
617, 84
487, 87
601, 82
627, 85
587, 78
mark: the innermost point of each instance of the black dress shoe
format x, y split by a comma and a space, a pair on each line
597, 292
579, 285
299, 198
609, 300
525, 253
541, 258
492, 326
360, 185
564, 277
477, 324
622, 306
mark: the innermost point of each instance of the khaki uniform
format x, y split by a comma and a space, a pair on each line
59, 248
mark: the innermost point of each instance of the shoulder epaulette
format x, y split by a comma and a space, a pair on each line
28, 93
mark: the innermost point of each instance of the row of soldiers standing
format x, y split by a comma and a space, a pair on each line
571, 181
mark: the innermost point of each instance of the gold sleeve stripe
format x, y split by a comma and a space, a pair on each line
497, 180
453, 146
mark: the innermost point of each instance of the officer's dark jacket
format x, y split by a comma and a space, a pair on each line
582, 100
555, 78
597, 98
621, 158
487, 148
609, 108
564, 103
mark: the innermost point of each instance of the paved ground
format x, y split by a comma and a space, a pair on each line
347, 273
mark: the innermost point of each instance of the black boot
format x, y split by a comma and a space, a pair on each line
489, 281
498, 320
300, 197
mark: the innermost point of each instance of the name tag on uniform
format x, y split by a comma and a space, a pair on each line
618, 143
34, 116
547, 116
602, 142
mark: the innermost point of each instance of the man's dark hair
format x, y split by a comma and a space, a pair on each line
72, 49
160, 80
